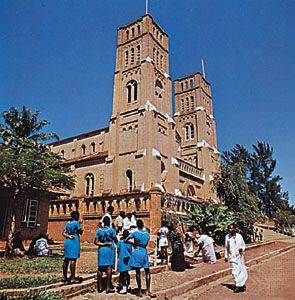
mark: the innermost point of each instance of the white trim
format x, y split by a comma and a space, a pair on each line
174, 161
156, 153
170, 119
177, 192
202, 108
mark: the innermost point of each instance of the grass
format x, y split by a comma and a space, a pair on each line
18, 282
32, 266
33, 296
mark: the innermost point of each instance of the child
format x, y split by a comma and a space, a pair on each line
124, 254
163, 242
71, 232
104, 239
140, 258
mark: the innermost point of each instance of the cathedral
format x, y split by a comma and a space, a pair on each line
147, 155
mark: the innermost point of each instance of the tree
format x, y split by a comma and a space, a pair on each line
26, 163
263, 182
212, 219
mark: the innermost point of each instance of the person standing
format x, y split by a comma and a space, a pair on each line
139, 258
163, 242
234, 253
124, 254
72, 232
127, 222
177, 259
104, 239
119, 222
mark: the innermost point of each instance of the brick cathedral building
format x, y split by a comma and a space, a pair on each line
147, 154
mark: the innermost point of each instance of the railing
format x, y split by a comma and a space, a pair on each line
190, 169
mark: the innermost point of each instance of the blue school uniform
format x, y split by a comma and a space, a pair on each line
72, 247
106, 254
140, 257
125, 251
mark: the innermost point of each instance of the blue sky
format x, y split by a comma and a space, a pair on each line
58, 57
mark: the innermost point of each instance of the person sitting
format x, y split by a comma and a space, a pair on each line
41, 245
18, 249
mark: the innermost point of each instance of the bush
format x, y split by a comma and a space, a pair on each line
18, 282
34, 296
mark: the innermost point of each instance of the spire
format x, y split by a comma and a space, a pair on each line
146, 7
203, 68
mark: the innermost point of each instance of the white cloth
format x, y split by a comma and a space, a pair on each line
41, 247
233, 243
119, 221
207, 248
189, 245
126, 224
133, 221
163, 241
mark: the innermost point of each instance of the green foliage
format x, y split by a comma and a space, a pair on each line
45, 295
18, 282
212, 218
169, 213
36, 265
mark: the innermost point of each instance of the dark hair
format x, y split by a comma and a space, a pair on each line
42, 236
129, 215
75, 215
139, 224
192, 228
233, 225
122, 214
164, 224
106, 221
125, 234
110, 209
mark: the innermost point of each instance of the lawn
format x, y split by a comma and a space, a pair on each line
38, 265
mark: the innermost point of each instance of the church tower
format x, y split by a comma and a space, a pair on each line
196, 126
141, 126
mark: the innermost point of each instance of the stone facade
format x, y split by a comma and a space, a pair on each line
145, 152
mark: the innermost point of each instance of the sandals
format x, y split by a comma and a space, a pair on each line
76, 280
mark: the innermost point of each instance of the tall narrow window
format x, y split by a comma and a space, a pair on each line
192, 84
138, 54
158, 54
187, 103
190, 191
132, 91
161, 62
182, 104
89, 184
83, 149
189, 131
93, 147
154, 55
127, 34
192, 103
126, 58
181, 86
192, 129
130, 180
132, 30
186, 85
132, 56
62, 153
138, 29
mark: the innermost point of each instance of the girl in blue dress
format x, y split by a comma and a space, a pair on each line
71, 232
124, 254
140, 258
104, 239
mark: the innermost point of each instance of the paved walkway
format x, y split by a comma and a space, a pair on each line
270, 280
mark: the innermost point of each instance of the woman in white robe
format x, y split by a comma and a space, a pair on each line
234, 253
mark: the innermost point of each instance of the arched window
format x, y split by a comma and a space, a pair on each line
132, 91
83, 149
127, 34
138, 29
89, 184
186, 85
190, 191
189, 131
208, 125
192, 84
159, 88
62, 153
132, 30
93, 147
181, 86
130, 180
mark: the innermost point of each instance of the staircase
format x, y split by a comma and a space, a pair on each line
270, 235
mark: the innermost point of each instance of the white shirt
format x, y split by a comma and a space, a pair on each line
126, 224
119, 221
203, 238
133, 221
232, 245
41, 246
163, 232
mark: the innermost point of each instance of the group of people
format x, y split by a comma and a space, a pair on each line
131, 248
133, 255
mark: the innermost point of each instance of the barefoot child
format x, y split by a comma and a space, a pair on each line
71, 232
124, 254
140, 258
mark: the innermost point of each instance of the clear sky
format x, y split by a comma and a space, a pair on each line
58, 56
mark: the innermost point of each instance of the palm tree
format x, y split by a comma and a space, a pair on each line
26, 162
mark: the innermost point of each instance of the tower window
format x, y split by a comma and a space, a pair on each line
208, 125
132, 30
189, 131
126, 58
187, 103
181, 86
93, 147
83, 149
132, 91
138, 29
62, 153
89, 184
186, 85
192, 84
158, 54
182, 104
161, 62
138, 54
132, 56
192, 102
130, 180
190, 191
127, 34
154, 55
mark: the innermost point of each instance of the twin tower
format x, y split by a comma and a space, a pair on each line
150, 146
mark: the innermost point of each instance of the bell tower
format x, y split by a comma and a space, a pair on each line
142, 130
